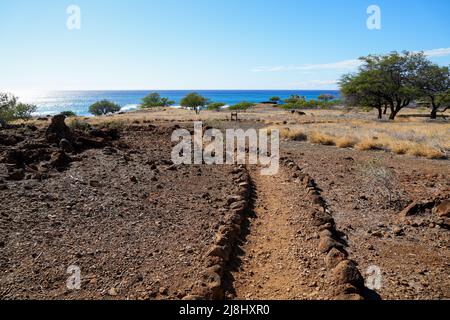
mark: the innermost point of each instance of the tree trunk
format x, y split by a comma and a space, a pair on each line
380, 113
393, 115
434, 113
385, 109
434, 109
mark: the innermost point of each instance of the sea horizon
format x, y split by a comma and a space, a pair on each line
51, 102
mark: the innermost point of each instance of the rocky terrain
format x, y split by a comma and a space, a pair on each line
110, 202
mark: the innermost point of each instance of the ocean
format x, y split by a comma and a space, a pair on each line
54, 102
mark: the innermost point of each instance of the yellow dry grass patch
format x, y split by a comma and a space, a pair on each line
346, 142
321, 138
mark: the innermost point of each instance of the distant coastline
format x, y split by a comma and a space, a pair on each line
54, 102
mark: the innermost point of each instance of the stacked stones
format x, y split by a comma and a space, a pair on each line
211, 285
344, 272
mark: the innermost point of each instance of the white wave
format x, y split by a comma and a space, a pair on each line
129, 107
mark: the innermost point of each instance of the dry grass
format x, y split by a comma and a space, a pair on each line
369, 144
293, 134
409, 136
321, 138
346, 142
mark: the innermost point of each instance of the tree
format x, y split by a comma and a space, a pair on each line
215, 106
392, 77
165, 102
386, 80
23, 111
194, 101
154, 100
103, 107
433, 83
325, 97
7, 105
357, 92
275, 99
295, 98
10, 109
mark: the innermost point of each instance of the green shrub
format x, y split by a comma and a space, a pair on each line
215, 106
275, 99
244, 105
103, 107
77, 124
11, 110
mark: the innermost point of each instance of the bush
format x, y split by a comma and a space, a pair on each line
77, 124
215, 106
325, 97
103, 107
154, 100
68, 114
10, 109
275, 99
23, 111
242, 106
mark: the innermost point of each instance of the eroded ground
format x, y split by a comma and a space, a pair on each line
138, 227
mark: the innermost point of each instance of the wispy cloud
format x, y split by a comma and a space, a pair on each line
340, 65
443, 52
316, 84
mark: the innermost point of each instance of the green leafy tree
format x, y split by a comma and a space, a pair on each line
154, 100
103, 107
7, 105
433, 83
389, 79
11, 109
357, 92
194, 101
215, 106
165, 102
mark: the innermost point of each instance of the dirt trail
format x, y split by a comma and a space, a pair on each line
276, 262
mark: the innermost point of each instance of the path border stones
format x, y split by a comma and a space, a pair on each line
343, 271
211, 285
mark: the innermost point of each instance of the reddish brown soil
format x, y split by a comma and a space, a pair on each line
136, 226
139, 227
414, 264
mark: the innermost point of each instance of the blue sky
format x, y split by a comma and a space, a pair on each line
207, 44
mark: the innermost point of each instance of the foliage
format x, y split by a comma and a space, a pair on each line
103, 107
275, 99
326, 97
244, 105
215, 105
384, 80
433, 83
11, 110
154, 100
193, 100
